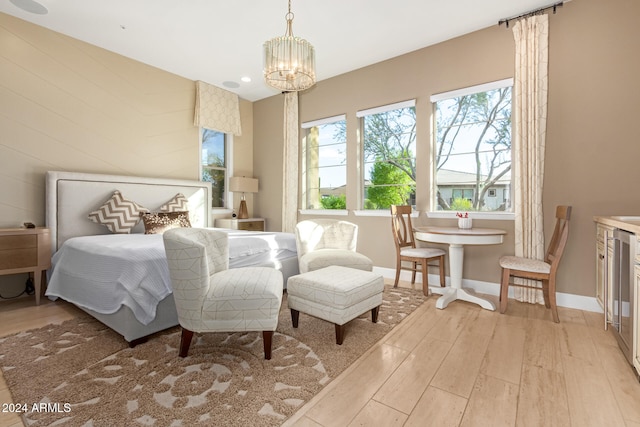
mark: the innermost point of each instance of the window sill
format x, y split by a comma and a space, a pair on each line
367, 212
333, 212
497, 216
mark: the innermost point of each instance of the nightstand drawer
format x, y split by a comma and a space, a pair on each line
251, 225
18, 251
18, 258
18, 242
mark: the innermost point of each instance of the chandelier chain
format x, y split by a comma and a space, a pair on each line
289, 17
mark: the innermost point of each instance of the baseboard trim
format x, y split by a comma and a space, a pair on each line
579, 302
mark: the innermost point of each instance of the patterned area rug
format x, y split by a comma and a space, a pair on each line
81, 373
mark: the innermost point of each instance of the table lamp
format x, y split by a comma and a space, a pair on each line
243, 185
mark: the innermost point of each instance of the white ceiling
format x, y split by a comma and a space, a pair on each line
221, 41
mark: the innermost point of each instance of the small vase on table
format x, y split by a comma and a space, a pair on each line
464, 222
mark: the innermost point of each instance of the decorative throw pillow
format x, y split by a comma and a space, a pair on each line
179, 203
118, 214
158, 223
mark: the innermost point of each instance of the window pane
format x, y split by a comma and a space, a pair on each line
216, 178
325, 155
329, 155
214, 165
390, 162
473, 152
332, 177
213, 148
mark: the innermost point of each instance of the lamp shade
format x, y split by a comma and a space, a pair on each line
241, 184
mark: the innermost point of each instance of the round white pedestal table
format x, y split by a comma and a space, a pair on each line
457, 238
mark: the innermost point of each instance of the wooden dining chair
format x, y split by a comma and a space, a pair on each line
539, 270
406, 250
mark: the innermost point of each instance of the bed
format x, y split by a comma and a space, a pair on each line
122, 279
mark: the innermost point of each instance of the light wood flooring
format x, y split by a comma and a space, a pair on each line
461, 366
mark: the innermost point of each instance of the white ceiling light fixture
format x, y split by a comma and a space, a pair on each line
30, 6
289, 61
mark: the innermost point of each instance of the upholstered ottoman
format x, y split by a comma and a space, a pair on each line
336, 294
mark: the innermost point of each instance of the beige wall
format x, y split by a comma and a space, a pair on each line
267, 153
592, 152
67, 105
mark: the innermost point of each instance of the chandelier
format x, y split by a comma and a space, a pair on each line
289, 61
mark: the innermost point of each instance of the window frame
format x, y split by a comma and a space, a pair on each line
228, 147
361, 114
491, 215
305, 126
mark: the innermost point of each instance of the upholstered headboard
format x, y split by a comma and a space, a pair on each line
71, 196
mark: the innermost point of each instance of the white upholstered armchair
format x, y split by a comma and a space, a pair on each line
210, 297
325, 242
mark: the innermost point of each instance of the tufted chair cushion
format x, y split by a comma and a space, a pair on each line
324, 242
254, 292
317, 234
325, 257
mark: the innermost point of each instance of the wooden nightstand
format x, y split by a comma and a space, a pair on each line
250, 224
25, 250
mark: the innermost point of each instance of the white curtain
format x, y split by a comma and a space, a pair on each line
290, 163
530, 122
217, 109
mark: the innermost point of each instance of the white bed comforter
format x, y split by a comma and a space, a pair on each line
104, 272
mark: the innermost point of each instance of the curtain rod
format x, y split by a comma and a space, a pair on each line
534, 12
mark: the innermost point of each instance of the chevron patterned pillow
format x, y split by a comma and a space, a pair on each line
179, 203
118, 214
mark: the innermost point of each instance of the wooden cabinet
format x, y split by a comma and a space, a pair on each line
618, 257
601, 246
249, 224
26, 250
636, 307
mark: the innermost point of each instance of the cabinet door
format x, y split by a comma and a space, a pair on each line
636, 319
609, 281
601, 280
600, 274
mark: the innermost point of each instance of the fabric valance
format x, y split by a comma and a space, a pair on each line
217, 109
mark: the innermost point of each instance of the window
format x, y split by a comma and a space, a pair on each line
472, 151
214, 161
324, 169
389, 151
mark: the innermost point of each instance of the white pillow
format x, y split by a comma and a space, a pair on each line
179, 203
118, 214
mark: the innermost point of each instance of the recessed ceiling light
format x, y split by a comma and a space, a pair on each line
30, 6
231, 85
246, 79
